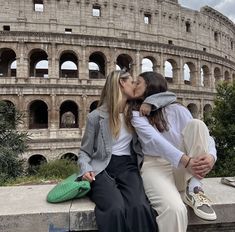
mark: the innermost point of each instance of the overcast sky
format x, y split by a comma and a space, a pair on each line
226, 7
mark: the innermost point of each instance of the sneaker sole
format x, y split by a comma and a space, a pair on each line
210, 217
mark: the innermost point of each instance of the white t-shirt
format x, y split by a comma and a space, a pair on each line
121, 144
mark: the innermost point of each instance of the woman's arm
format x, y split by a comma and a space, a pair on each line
87, 146
153, 143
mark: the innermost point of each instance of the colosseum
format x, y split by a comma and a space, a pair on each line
54, 56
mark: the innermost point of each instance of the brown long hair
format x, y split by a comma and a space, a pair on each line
155, 83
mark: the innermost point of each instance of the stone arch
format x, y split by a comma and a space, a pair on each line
206, 110
227, 76
11, 100
70, 156
193, 109
69, 114
170, 70
38, 115
68, 65
125, 62
148, 63
38, 63
7, 57
205, 76
190, 73
217, 75
36, 160
93, 105
97, 65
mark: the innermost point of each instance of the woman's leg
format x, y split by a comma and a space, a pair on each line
110, 208
164, 197
139, 214
196, 142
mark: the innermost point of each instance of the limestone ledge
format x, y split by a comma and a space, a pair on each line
24, 208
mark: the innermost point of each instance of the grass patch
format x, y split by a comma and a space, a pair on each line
47, 173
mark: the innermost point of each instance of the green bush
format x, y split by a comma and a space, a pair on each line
222, 127
57, 169
12, 142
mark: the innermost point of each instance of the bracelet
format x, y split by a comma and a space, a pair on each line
188, 162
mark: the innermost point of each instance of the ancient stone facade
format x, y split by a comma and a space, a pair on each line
54, 56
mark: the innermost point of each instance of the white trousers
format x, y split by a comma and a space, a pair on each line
162, 182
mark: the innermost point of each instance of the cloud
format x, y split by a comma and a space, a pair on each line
226, 7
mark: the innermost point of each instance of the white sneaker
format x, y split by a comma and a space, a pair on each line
198, 201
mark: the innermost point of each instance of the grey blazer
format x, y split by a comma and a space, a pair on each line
96, 146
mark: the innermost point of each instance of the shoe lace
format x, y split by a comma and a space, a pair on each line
202, 199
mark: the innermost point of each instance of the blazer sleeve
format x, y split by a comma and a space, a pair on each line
87, 147
160, 100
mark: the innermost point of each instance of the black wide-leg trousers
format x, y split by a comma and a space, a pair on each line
121, 203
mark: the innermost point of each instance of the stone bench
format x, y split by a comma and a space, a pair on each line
24, 209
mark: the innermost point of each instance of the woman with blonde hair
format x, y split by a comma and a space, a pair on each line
109, 159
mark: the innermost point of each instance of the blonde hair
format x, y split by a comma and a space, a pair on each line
111, 97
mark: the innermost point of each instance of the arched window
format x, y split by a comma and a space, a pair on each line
189, 74
205, 76
69, 115
70, 156
7, 63
41, 69
193, 110
69, 65
125, 62
146, 65
97, 65
217, 75
38, 63
38, 115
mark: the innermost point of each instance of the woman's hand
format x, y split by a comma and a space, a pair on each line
89, 176
145, 109
203, 164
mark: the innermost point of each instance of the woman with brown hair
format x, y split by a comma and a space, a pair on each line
178, 153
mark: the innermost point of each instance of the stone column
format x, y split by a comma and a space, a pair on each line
111, 62
181, 72
22, 62
54, 115
161, 65
84, 65
201, 110
197, 74
21, 107
137, 70
84, 112
53, 65
176, 75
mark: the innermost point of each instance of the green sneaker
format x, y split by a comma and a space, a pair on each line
198, 201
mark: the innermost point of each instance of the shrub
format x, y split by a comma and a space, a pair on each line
222, 128
57, 169
12, 142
